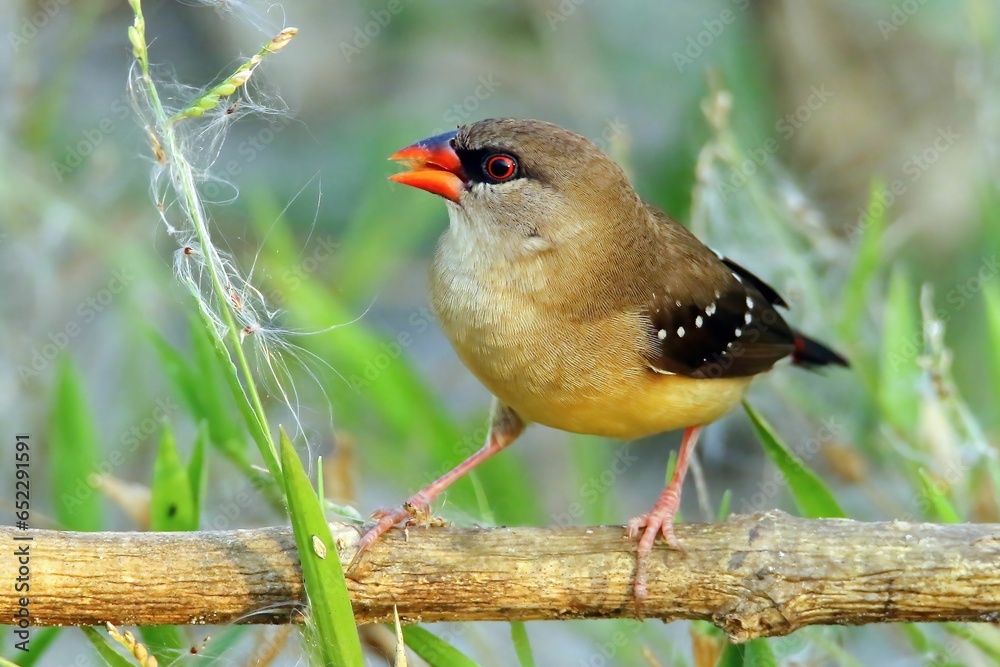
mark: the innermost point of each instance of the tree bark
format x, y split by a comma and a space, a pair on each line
753, 576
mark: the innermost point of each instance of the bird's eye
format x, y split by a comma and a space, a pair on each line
500, 167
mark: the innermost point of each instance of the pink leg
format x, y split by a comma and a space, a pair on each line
505, 426
660, 519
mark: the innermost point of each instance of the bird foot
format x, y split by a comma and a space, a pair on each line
414, 512
660, 520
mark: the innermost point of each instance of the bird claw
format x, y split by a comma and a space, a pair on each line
650, 524
414, 512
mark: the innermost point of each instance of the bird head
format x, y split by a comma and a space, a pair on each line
523, 185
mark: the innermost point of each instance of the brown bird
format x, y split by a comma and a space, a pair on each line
582, 307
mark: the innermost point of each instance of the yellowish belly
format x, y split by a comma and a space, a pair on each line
603, 387
642, 405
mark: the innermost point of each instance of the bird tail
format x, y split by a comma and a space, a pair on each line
810, 353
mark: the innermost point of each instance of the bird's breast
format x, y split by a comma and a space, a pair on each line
583, 374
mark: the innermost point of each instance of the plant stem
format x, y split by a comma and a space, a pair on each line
184, 183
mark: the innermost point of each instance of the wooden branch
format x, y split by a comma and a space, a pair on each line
760, 575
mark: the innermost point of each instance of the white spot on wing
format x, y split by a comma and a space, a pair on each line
698, 321
738, 332
749, 302
711, 309
737, 276
748, 317
661, 334
680, 331
678, 303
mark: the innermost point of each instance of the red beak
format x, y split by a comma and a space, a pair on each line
434, 167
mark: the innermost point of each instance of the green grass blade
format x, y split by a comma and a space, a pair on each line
724, 504
211, 387
755, 653
320, 491
812, 498
202, 386
370, 250
231, 376
329, 602
197, 478
106, 649
4, 662
74, 454
41, 639
992, 297
179, 372
218, 645
732, 656
916, 636
435, 651
522, 645
172, 504
166, 642
758, 653
199, 384
984, 637
941, 507
902, 345
867, 236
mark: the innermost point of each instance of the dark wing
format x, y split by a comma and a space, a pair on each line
766, 290
732, 331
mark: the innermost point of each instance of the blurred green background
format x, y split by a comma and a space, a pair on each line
846, 152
